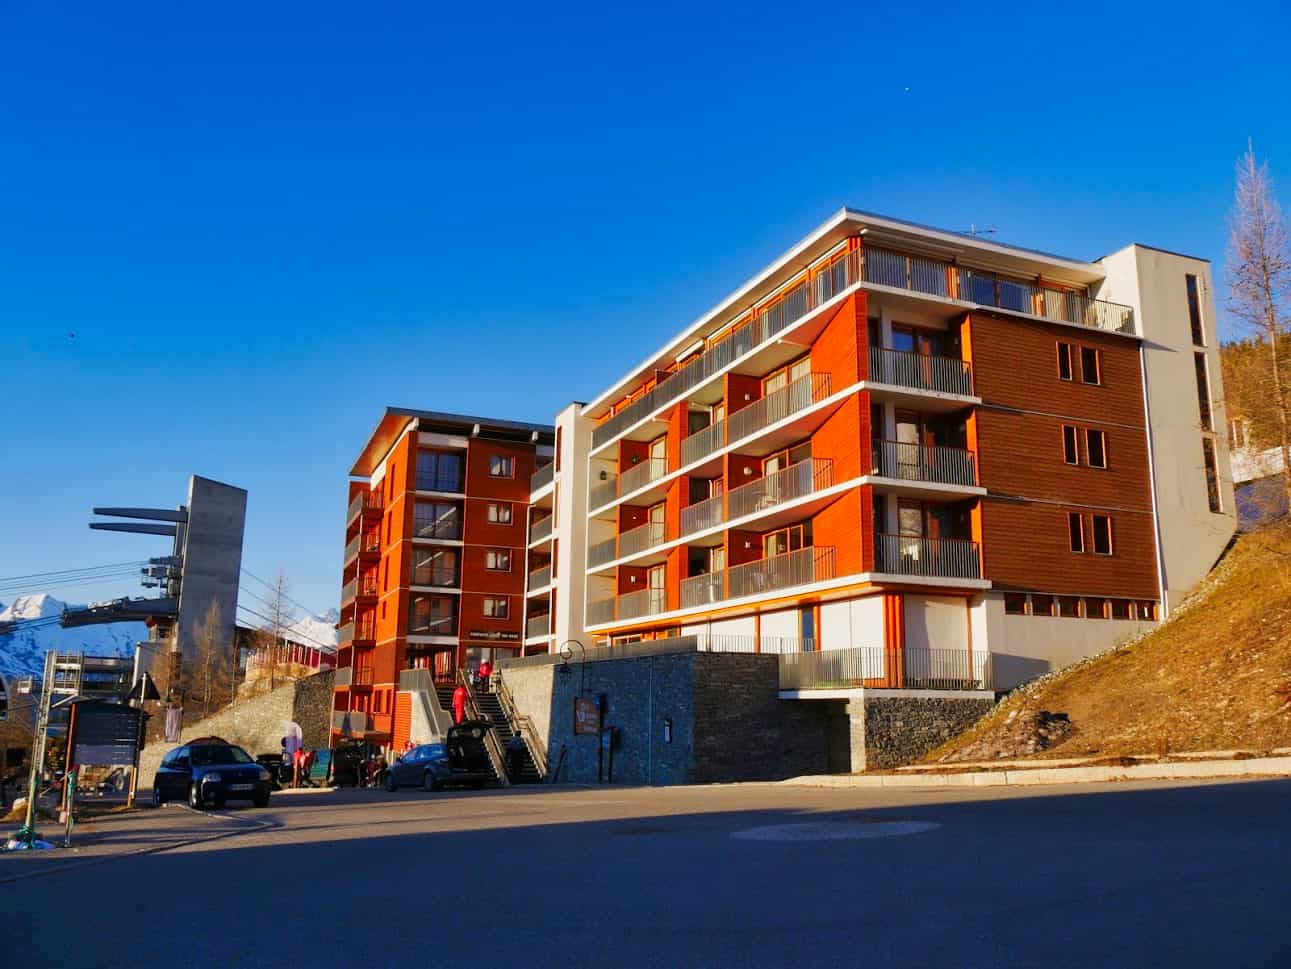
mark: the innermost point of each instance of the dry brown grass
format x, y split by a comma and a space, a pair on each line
1217, 676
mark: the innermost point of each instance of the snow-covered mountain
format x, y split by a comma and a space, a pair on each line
316, 631
23, 650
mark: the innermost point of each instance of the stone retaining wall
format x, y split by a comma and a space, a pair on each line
901, 730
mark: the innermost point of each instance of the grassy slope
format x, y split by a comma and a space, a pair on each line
1216, 676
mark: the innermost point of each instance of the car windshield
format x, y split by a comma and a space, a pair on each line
205, 756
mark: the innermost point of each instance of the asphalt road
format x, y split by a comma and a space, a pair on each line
743, 876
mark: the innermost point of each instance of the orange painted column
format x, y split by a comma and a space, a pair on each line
894, 639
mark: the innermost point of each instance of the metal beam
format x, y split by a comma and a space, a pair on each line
154, 514
138, 529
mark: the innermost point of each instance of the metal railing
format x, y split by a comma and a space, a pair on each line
421, 684
800, 567
356, 631
646, 602
603, 492
365, 501
1068, 307
601, 552
795, 481
350, 721
924, 462
761, 414
599, 611
946, 375
521, 723
540, 578
491, 743
541, 529
641, 474
703, 443
641, 538
344, 676
542, 477
952, 558
876, 668
538, 626
701, 515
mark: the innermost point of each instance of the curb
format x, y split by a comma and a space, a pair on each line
1196, 770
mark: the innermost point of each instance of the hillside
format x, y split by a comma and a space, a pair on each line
1216, 676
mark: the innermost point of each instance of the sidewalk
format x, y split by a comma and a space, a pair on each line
947, 776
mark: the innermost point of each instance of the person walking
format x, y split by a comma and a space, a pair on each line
515, 756
459, 704
486, 670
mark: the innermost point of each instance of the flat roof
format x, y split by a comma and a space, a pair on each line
396, 420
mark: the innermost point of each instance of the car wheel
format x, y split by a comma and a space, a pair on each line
428, 782
391, 784
195, 797
262, 800
157, 799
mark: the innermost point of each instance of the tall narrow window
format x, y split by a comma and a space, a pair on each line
1064, 361
499, 513
1096, 448
1194, 310
1203, 391
1069, 451
1102, 528
1075, 531
1212, 475
1091, 365
497, 560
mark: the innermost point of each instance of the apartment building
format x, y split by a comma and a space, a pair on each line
433, 577
961, 453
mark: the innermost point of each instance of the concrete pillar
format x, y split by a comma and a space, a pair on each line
856, 733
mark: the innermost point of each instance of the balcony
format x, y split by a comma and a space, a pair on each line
541, 529
344, 676
946, 558
918, 371
874, 667
366, 545
357, 632
539, 578
358, 588
641, 538
800, 567
350, 722
796, 481
603, 492
536, 627
640, 475
934, 464
365, 502
542, 477
634, 605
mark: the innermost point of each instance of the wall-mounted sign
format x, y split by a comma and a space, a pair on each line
587, 715
495, 635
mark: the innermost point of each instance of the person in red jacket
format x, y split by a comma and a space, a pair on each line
459, 704
485, 671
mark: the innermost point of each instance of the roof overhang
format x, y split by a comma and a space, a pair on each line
397, 420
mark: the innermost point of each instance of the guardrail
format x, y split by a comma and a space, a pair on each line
540, 578
641, 474
542, 477
350, 721
538, 626
541, 529
919, 371
796, 481
874, 667
365, 501
776, 406
922, 462
951, 558
603, 492
799, 567
641, 538
491, 742
521, 723
646, 602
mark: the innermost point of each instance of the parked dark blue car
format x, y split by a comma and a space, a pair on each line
210, 773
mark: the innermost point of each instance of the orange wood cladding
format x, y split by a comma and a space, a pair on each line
838, 525
840, 349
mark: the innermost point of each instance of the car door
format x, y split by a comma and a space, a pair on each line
180, 774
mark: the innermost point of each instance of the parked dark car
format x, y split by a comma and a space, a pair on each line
210, 773
461, 761
273, 764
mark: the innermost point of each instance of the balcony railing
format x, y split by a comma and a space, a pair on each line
353, 632
641, 538
600, 611
796, 481
365, 501
543, 476
951, 558
920, 462
703, 443
358, 586
647, 602
540, 578
350, 722
761, 414
603, 492
344, 676
800, 567
601, 552
874, 667
537, 626
701, 515
640, 475
541, 529
946, 375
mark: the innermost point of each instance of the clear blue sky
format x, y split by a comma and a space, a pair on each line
264, 223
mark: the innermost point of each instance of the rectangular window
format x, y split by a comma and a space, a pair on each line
1212, 475
1015, 603
1096, 448
436, 566
1075, 531
496, 608
1194, 310
499, 513
1069, 452
1095, 608
440, 471
1102, 529
501, 466
432, 615
1042, 606
497, 560
1203, 391
1148, 610
1091, 365
1069, 607
1064, 361
437, 519
1122, 609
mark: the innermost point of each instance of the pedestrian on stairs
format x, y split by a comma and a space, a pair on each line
459, 704
515, 756
485, 671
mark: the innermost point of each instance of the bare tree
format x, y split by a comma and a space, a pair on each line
1259, 271
281, 616
213, 656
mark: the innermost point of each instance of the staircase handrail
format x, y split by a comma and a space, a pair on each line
490, 741
523, 723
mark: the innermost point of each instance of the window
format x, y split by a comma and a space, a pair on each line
499, 513
440, 471
1147, 610
1069, 607
1091, 365
1075, 531
1015, 603
1095, 608
497, 560
496, 607
1212, 475
1064, 361
1042, 606
437, 519
1069, 453
1203, 391
1194, 310
1096, 448
785, 540
1122, 609
432, 615
501, 466
1102, 529
435, 566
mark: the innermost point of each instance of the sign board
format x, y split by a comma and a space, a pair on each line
495, 635
587, 715
104, 734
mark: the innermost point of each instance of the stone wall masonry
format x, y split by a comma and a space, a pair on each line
900, 730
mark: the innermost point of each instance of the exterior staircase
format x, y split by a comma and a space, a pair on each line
490, 708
